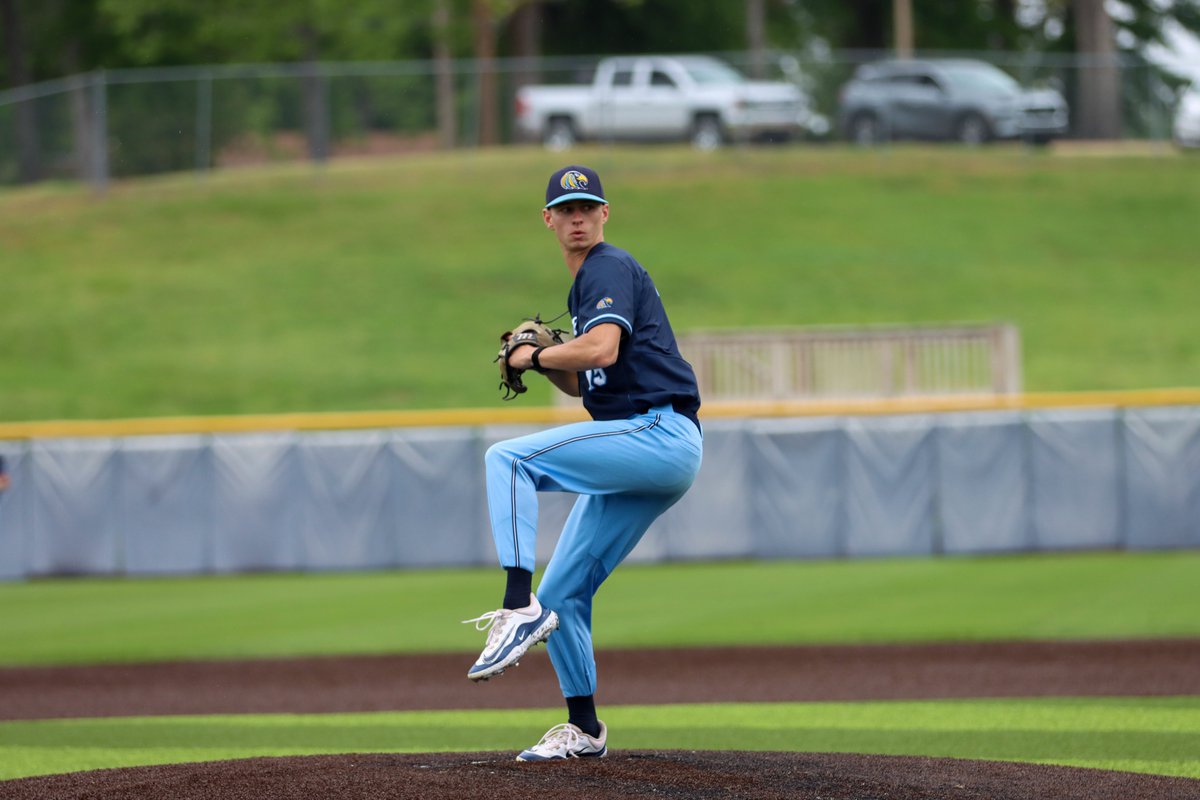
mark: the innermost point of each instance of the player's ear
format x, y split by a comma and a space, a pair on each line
546, 218
604, 213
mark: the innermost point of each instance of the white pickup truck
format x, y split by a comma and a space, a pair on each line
645, 98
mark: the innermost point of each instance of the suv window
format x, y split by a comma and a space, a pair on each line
981, 77
923, 81
659, 78
622, 77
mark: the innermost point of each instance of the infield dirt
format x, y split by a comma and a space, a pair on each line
1134, 668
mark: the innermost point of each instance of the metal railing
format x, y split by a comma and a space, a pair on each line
833, 363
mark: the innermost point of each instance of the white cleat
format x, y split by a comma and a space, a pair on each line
567, 741
511, 635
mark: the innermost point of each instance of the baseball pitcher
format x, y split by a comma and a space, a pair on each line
632, 462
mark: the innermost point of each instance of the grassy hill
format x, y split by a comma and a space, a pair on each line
384, 284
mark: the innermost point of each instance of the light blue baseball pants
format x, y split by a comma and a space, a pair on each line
627, 472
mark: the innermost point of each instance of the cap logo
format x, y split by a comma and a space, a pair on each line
574, 181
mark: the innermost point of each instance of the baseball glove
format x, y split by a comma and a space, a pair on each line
531, 331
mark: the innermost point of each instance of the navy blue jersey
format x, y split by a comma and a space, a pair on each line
613, 287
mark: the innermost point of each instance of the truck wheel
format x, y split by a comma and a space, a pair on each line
707, 133
973, 130
559, 134
866, 130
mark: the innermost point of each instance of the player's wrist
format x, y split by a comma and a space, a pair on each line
535, 359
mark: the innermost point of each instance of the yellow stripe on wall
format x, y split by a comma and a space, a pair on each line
554, 416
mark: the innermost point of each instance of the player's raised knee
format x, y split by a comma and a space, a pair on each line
500, 456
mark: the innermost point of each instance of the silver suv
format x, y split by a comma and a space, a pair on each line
949, 99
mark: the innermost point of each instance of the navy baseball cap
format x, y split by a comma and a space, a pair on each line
574, 183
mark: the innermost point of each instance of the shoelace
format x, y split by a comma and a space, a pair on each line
490, 620
560, 737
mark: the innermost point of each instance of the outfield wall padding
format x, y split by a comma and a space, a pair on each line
811, 487
983, 450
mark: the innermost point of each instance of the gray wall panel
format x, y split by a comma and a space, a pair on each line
713, 518
13, 505
73, 518
348, 512
441, 504
983, 493
255, 513
890, 484
796, 474
1162, 477
1074, 477
165, 494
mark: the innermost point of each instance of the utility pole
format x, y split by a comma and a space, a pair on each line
902, 24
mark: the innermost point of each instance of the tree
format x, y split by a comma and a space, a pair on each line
1105, 95
483, 24
447, 119
902, 27
223, 31
17, 47
1098, 112
756, 36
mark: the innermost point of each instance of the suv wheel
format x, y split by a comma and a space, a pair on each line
866, 131
559, 134
973, 130
707, 133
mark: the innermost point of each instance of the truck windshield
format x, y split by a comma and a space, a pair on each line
713, 72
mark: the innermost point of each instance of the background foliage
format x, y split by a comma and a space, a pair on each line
62, 37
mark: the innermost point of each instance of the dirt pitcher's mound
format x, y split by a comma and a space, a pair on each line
663, 774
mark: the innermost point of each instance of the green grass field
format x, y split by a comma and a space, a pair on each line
1083, 596
383, 284
1080, 596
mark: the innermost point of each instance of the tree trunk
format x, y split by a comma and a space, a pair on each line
81, 118
902, 28
1004, 26
447, 118
316, 99
485, 55
29, 167
526, 27
1098, 112
756, 37
869, 25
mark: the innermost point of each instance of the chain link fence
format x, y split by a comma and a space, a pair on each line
118, 123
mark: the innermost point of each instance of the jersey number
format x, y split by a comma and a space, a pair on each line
595, 377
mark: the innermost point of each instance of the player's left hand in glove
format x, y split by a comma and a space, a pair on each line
530, 332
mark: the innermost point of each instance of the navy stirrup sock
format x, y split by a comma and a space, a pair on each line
520, 587
581, 712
